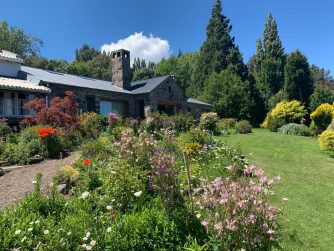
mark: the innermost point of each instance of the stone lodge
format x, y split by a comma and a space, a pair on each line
19, 83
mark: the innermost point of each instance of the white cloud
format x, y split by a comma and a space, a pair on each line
149, 47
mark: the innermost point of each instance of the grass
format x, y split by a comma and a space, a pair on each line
307, 181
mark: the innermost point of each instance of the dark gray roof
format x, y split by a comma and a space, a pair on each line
195, 101
147, 85
138, 87
36, 75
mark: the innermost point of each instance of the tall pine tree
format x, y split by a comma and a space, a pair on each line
269, 61
218, 52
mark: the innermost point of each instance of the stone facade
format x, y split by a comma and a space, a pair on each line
121, 71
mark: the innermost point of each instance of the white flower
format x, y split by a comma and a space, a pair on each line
108, 229
92, 243
85, 238
88, 247
31, 223
61, 240
46, 232
198, 216
109, 208
84, 245
88, 234
69, 233
285, 199
113, 200
137, 194
36, 222
34, 181
84, 195
30, 229
24, 238
17, 231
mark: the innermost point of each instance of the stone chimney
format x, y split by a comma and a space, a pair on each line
121, 72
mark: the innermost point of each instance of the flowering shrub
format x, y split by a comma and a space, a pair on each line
51, 140
92, 124
208, 121
5, 130
113, 119
322, 117
285, 112
326, 141
238, 215
62, 112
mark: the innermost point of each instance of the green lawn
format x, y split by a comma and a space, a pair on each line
307, 181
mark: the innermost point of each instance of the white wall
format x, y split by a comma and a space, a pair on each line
9, 69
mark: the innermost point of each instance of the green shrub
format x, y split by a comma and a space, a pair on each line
67, 175
294, 129
92, 124
5, 130
274, 123
322, 117
208, 121
225, 125
195, 135
326, 142
101, 148
243, 127
182, 122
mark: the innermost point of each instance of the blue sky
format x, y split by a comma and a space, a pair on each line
65, 25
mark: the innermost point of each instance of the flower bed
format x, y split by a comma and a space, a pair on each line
148, 191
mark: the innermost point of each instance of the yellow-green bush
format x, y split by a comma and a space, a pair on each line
322, 117
67, 174
285, 112
326, 141
92, 124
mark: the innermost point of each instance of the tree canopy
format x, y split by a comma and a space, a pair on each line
18, 41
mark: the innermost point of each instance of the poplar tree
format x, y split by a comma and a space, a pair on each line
269, 61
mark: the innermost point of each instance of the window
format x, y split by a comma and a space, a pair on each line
115, 107
2, 103
11, 105
22, 99
170, 89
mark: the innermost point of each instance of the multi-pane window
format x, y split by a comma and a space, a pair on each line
10, 104
22, 99
2, 104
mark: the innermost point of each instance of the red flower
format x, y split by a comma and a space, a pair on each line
87, 162
45, 132
62, 134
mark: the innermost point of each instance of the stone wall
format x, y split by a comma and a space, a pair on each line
97, 95
168, 92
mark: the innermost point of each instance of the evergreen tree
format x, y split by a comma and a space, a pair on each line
298, 83
322, 94
269, 62
230, 96
218, 52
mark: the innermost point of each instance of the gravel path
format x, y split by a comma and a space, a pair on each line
17, 183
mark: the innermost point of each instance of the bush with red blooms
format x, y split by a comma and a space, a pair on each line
62, 112
51, 140
45, 132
